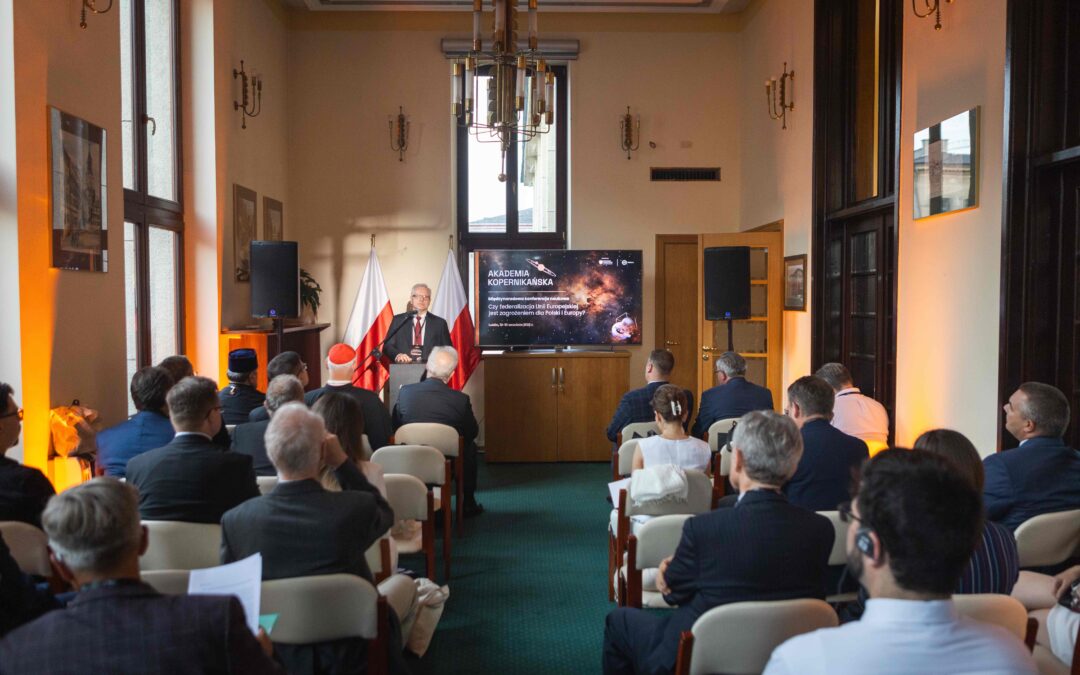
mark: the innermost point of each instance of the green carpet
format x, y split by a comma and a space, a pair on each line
527, 593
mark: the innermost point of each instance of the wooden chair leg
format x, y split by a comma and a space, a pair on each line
1032, 631
459, 470
611, 568
633, 575
379, 648
686, 647
446, 541
428, 537
384, 558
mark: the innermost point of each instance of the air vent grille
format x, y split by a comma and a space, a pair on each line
685, 173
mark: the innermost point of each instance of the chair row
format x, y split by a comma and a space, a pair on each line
621, 464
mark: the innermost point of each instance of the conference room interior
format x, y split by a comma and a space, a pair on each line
333, 120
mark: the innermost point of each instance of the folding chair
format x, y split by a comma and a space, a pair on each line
445, 439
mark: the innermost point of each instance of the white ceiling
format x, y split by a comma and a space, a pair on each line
658, 6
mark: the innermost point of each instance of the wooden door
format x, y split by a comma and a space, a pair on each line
521, 417
676, 305
759, 338
590, 386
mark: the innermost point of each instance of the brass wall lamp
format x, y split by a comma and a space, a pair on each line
780, 95
399, 134
629, 132
931, 7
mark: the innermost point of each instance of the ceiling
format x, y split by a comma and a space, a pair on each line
637, 6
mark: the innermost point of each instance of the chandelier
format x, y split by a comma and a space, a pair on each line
519, 87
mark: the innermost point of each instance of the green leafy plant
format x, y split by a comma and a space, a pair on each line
309, 292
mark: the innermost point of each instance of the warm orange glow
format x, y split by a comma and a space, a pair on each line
231, 341
876, 446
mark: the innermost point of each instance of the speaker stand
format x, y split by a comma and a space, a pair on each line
279, 330
730, 336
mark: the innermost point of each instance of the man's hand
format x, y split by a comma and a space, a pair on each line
333, 455
1064, 581
265, 643
403, 358
661, 583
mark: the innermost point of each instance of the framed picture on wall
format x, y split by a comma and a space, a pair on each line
244, 226
795, 282
947, 166
78, 193
273, 220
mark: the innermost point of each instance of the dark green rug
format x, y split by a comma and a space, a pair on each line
527, 593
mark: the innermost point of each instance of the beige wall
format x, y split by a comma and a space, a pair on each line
11, 354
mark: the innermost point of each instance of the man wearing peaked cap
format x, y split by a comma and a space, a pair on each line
341, 366
240, 396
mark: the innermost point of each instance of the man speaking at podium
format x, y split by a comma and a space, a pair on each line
413, 343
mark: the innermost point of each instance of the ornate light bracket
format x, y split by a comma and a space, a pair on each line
932, 7
399, 134
630, 132
780, 95
250, 103
91, 5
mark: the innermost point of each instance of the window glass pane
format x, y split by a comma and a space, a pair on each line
749, 336
759, 264
757, 370
866, 91
127, 96
759, 300
161, 100
164, 323
537, 173
487, 194
131, 305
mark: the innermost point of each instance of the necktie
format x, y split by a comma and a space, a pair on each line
417, 327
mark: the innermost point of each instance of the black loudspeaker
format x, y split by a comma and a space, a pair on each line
275, 279
727, 283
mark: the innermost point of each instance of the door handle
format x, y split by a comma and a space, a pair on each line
562, 378
671, 343
707, 348
552, 378
152, 122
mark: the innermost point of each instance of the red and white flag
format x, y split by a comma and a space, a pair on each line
367, 327
452, 304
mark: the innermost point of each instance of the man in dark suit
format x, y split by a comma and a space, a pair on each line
240, 397
732, 397
24, 490
250, 439
341, 366
285, 363
192, 479
424, 332
636, 404
1043, 474
762, 549
117, 624
434, 401
831, 459
301, 529
145, 430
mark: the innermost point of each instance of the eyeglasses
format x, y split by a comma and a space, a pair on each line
17, 412
846, 516
421, 297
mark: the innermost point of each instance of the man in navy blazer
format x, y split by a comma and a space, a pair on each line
762, 549
1043, 474
422, 328
636, 404
831, 459
147, 429
250, 438
732, 397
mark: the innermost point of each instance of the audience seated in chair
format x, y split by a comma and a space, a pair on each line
854, 413
192, 479
344, 418
117, 624
180, 367
341, 367
831, 459
1043, 474
672, 445
20, 598
1055, 603
762, 549
250, 438
636, 404
240, 397
145, 430
285, 363
913, 526
24, 490
732, 397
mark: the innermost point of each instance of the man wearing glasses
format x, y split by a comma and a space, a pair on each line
414, 334
23, 489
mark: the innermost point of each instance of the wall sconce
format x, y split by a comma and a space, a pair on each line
92, 6
932, 7
250, 104
399, 134
778, 96
629, 132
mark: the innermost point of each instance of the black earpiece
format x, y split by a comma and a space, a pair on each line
864, 542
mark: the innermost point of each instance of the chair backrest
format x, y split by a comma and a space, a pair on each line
374, 556
839, 544
740, 637
1000, 610
626, 457
365, 446
266, 483
639, 430
658, 538
231, 429
29, 547
698, 499
442, 437
422, 461
725, 462
181, 546
407, 495
1048, 539
169, 582
720, 428
321, 608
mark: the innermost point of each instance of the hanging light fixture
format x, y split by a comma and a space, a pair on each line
520, 89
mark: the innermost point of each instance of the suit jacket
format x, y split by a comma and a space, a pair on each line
237, 401
831, 461
24, 492
762, 549
250, 439
377, 423
734, 399
636, 406
1041, 476
433, 401
131, 628
145, 430
436, 334
191, 479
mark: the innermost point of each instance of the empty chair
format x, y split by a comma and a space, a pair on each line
445, 439
29, 547
630, 432
167, 582
1000, 610
1048, 539
266, 484
654, 541
181, 546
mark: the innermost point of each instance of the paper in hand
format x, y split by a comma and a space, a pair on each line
242, 578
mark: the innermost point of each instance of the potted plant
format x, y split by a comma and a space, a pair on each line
309, 297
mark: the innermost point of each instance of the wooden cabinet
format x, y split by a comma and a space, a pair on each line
552, 407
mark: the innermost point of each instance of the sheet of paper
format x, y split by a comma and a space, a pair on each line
242, 578
614, 488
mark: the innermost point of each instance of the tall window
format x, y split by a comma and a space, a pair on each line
153, 205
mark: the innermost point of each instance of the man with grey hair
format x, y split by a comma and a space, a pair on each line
854, 413
434, 401
1043, 474
117, 624
732, 397
250, 439
762, 549
415, 333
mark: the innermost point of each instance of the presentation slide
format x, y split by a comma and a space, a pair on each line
551, 297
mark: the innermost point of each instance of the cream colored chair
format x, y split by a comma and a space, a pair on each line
266, 484
1048, 539
628, 433
739, 638
379, 558
365, 446
181, 546
411, 499
167, 582
431, 470
1000, 610
718, 429
445, 439
626, 457
654, 541
838, 555
29, 547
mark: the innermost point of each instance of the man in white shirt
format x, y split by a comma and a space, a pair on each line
853, 413
913, 526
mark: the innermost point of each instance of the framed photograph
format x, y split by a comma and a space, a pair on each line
947, 166
273, 220
795, 282
78, 193
244, 226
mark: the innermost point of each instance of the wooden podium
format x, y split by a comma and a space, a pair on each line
304, 340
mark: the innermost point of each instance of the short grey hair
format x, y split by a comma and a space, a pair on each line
771, 446
283, 389
836, 374
294, 440
93, 527
442, 362
731, 364
421, 285
1046, 407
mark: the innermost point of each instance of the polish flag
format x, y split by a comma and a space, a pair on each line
367, 327
452, 304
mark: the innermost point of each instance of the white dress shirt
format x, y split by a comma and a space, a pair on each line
905, 636
860, 416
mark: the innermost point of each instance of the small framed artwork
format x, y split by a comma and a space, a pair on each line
78, 193
947, 166
273, 220
795, 282
244, 226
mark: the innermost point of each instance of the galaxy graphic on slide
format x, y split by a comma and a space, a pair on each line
551, 297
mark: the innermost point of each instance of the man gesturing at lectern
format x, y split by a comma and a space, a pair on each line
412, 343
